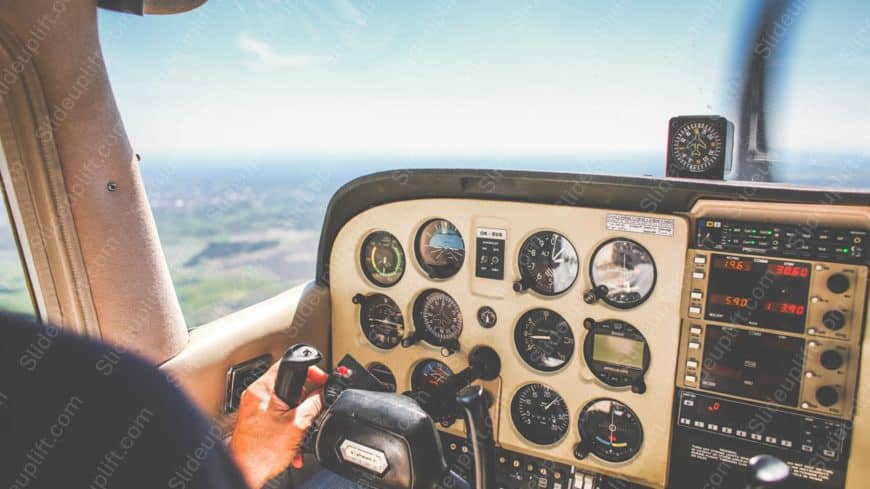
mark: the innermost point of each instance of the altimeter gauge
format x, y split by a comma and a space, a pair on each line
548, 264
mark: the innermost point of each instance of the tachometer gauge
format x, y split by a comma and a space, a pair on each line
544, 339
623, 274
437, 318
540, 414
548, 264
382, 258
429, 374
609, 430
381, 320
440, 249
383, 374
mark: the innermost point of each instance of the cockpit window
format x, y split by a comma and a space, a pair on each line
249, 115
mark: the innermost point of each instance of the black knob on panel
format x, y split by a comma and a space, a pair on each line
838, 283
827, 395
293, 372
834, 320
831, 359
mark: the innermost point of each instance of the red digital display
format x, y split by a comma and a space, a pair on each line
733, 263
788, 270
785, 308
758, 292
769, 306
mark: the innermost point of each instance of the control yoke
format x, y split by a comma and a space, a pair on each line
385, 439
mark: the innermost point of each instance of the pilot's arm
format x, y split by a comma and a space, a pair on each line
268, 433
76, 413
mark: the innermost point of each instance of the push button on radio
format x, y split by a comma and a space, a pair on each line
831, 359
838, 283
827, 395
834, 320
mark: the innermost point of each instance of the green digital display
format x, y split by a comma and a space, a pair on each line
617, 350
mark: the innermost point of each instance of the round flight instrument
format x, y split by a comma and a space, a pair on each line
382, 259
540, 414
384, 374
381, 320
610, 430
623, 273
544, 339
437, 318
697, 146
440, 249
548, 264
429, 374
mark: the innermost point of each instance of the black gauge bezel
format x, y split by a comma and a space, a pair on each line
589, 443
519, 343
607, 300
421, 327
365, 302
363, 259
383, 368
612, 374
482, 317
530, 282
417, 371
438, 272
518, 426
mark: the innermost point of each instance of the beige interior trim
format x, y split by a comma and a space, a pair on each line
298, 315
91, 184
33, 181
586, 228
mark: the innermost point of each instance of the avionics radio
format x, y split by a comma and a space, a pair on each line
779, 331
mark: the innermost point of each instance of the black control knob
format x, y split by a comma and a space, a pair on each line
831, 359
834, 320
838, 283
293, 372
827, 395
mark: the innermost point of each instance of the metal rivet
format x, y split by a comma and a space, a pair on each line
111, 186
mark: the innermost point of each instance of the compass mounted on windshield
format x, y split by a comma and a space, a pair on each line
699, 146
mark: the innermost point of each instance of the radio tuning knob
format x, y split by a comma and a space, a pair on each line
838, 283
827, 395
834, 320
831, 359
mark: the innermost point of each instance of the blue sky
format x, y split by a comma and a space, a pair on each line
453, 77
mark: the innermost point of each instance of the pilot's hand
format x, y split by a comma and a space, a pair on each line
268, 433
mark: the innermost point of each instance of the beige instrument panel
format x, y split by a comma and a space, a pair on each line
657, 318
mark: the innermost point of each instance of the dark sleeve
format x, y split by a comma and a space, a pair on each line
78, 414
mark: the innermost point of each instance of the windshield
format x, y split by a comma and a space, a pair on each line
249, 115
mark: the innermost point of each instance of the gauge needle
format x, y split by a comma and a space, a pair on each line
385, 321
548, 406
557, 256
625, 283
540, 337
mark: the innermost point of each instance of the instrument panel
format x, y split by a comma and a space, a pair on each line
606, 322
582, 306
